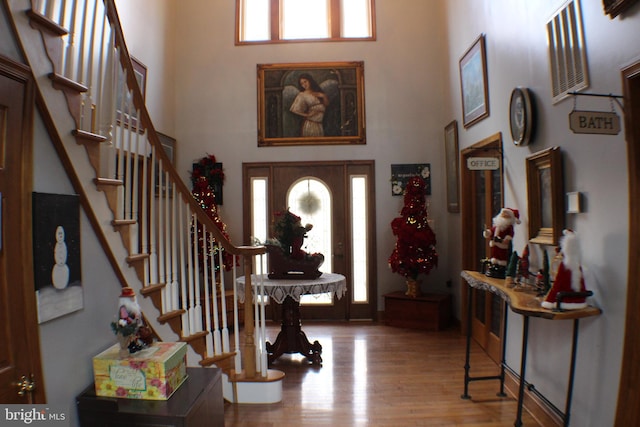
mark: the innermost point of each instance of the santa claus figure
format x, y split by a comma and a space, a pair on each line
500, 237
129, 312
569, 277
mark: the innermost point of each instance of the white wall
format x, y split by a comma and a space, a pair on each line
68, 343
406, 103
594, 165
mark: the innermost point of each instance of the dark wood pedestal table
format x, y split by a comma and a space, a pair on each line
291, 339
528, 305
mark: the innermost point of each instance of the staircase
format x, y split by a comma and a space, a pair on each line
157, 237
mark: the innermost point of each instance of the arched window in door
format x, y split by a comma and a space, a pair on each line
310, 199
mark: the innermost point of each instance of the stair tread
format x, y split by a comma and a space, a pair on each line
208, 361
272, 375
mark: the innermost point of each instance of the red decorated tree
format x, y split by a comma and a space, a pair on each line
415, 249
206, 175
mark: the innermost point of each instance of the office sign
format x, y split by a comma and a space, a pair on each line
483, 163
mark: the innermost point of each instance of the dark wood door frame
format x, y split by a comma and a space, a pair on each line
366, 310
487, 309
18, 306
628, 411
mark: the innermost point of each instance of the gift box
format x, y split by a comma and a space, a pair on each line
153, 373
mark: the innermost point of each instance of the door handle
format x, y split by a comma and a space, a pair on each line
26, 385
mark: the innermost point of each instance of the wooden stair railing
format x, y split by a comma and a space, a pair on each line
180, 256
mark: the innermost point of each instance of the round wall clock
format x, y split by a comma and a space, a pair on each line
521, 118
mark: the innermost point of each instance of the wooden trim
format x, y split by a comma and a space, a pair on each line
467, 214
628, 410
30, 346
538, 409
335, 18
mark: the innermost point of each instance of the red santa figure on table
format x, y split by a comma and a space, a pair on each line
569, 277
129, 308
500, 237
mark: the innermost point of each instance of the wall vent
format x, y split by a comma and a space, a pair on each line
567, 51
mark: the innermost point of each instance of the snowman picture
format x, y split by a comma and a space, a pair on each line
60, 271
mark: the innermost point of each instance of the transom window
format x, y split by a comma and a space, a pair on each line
279, 21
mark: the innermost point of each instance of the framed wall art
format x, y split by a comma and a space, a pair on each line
124, 103
452, 169
56, 255
168, 144
473, 83
545, 196
614, 8
311, 104
401, 174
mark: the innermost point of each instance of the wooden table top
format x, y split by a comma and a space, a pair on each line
523, 302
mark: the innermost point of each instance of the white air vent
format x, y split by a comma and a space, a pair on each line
567, 52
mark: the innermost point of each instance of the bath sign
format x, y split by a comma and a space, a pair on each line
594, 122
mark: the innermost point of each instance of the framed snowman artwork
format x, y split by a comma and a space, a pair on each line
56, 255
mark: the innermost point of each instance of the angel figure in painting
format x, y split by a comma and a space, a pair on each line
313, 104
310, 103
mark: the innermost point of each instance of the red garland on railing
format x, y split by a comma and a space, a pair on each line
206, 174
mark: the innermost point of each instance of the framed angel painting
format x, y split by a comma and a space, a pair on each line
311, 103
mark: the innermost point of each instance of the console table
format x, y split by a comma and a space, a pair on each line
528, 305
291, 339
198, 402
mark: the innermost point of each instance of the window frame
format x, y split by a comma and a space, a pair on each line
275, 27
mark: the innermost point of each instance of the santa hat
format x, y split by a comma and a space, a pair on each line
515, 214
569, 278
127, 292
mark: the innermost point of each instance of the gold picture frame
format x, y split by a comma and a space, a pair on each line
452, 166
545, 196
329, 109
473, 83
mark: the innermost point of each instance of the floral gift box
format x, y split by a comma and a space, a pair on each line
151, 374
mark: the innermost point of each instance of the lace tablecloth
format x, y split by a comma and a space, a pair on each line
278, 290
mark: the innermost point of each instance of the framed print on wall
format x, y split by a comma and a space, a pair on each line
125, 117
453, 173
614, 8
401, 174
473, 83
311, 103
545, 196
56, 255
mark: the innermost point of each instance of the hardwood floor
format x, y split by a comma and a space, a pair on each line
376, 375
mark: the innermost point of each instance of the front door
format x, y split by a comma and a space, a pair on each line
19, 342
481, 200
337, 198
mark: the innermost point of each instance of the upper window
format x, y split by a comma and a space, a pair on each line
279, 21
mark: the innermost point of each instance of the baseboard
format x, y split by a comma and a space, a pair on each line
537, 407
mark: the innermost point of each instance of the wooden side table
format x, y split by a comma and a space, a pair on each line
430, 312
527, 305
198, 402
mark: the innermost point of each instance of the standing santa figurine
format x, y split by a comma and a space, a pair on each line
129, 310
500, 238
569, 277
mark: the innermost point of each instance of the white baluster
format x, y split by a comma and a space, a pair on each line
207, 296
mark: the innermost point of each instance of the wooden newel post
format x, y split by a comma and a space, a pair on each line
249, 352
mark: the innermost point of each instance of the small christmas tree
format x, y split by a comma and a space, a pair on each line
415, 249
